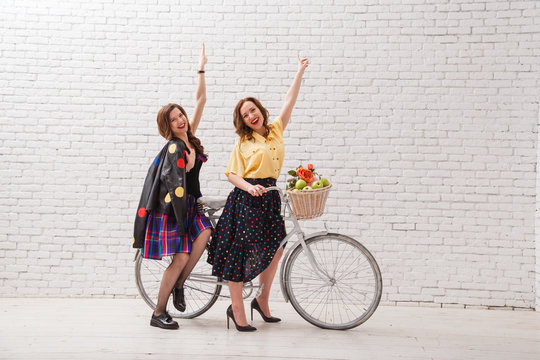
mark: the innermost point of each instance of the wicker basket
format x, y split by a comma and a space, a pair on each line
309, 204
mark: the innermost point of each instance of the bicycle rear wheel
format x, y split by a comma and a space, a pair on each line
347, 296
200, 290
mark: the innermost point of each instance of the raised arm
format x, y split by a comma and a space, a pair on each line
200, 95
292, 94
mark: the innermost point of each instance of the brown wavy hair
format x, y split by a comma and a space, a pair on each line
244, 131
164, 126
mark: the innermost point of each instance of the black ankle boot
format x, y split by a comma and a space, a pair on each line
178, 299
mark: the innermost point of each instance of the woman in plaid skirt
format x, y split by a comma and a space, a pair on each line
168, 222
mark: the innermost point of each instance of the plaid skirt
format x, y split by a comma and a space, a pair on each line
162, 237
247, 235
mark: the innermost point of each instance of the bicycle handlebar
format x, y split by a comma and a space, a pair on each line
270, 188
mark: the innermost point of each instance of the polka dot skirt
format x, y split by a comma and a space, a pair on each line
247, 235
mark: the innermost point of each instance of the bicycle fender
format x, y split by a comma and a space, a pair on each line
316, 234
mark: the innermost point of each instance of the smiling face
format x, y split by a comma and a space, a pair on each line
179, 123
252, 117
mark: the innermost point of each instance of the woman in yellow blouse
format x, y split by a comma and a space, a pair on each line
251, 227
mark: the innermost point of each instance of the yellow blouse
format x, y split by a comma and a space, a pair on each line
259, 157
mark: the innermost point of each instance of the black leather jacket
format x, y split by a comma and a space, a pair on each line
164, 189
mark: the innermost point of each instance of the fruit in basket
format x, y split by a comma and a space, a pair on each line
317, 185
305, 179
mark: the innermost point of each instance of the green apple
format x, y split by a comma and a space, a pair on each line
317, 184
307, 188
300, 184
325, 181
295, 190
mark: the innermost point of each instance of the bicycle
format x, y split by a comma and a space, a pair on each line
331, 280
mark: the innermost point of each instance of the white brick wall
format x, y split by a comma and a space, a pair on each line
424, 114
537, 223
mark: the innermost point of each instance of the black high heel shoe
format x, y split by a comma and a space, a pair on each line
179, 301
230, 315
255, 305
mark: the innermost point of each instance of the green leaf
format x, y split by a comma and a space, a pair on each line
292, 172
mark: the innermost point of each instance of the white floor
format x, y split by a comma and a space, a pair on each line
119, 329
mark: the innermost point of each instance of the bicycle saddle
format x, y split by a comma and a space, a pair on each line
213, 202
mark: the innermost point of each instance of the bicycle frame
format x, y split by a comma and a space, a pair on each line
296, 230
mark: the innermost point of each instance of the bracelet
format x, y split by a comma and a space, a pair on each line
201, 71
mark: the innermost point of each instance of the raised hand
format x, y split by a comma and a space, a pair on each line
202, 59
200, 95
302, 63
292, 93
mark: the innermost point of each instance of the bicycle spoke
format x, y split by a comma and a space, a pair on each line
351, 264
346, 270
349, 295
310, 295
323, 268
323, 301
357, 295
152, 272
337, 263
347, 305
310, 303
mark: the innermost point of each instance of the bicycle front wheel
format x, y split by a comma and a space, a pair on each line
349, 291
200, 290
